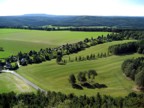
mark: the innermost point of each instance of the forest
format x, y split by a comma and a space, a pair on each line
35, 20
134, 69
127, 48
59, 100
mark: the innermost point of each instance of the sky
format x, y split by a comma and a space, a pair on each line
73, 7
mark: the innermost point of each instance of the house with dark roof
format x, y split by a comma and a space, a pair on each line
8, 65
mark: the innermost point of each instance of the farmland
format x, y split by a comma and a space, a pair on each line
51, 76
54, 77
15, 40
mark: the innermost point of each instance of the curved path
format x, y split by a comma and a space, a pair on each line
24, 79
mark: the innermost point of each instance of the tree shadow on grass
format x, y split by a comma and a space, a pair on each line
87, 85
93, 86
76, 86
97, 85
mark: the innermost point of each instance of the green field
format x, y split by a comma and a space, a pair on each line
9, 82
15, 40
51, 76
101, 48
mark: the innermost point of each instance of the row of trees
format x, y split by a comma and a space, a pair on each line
60, 100
134, 69
85, 58
58, 52
81, 77
53, 53
85, 79
60, 28
126, 48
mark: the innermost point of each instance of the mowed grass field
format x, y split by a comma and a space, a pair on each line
51, 76
101, 48
9, 82
16, 40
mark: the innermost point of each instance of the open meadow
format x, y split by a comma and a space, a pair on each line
51, 76
16, 40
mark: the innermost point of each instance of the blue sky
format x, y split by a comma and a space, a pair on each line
73, 7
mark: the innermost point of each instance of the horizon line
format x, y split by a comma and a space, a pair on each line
45, 14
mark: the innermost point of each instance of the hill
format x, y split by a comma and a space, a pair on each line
16, 40
54, 77
51, 76
35, 20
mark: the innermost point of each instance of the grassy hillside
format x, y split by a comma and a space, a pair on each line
9, 82
51, 76
101, 48
15, 40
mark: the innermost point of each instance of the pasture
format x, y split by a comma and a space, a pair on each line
16, 40
98, 49
51, 76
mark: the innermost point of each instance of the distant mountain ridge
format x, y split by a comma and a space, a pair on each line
35, 20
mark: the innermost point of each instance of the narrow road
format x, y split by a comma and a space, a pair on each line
24, 79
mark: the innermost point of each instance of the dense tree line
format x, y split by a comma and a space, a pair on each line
76, 21
141, 47
126, 48
80, 28
93, 29
138, 35
134, 69
60, 100
58, 28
